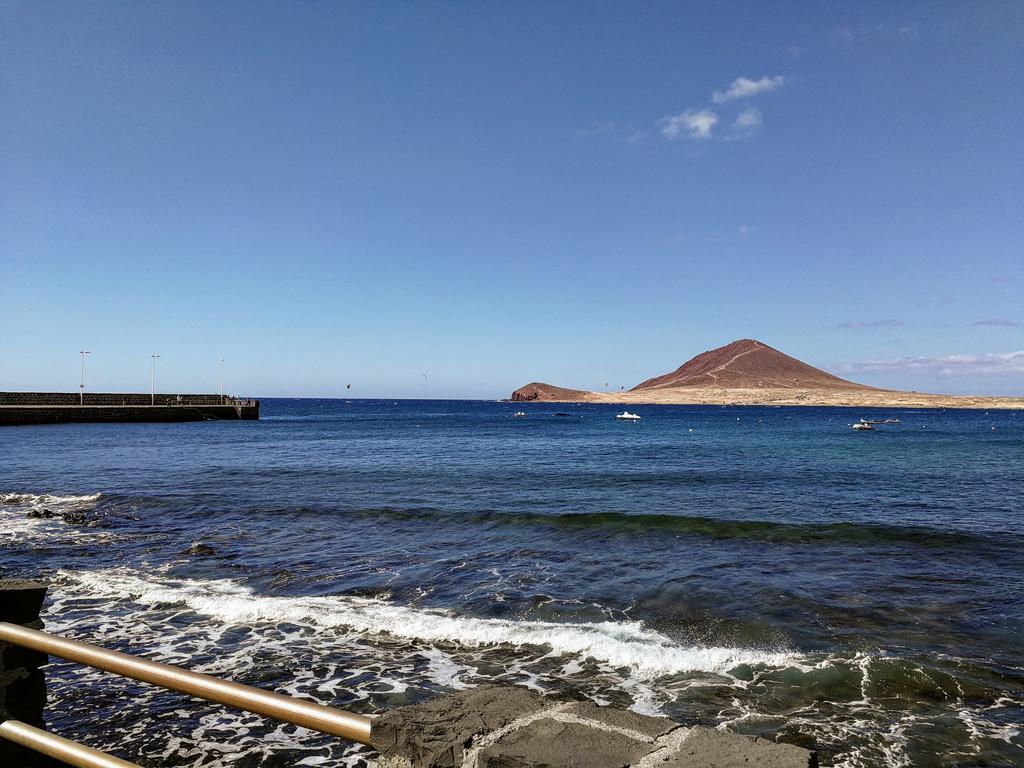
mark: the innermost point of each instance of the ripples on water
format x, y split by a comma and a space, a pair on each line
766, 570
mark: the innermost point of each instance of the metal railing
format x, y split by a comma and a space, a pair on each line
317, 717
58, 747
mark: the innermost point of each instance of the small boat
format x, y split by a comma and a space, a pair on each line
872, 421
518, 414
627, 416
862, 426
892, 421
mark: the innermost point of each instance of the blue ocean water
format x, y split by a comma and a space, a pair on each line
767, 570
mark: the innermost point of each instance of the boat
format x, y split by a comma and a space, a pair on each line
518, 414
627, 416
892, 421
873, 421
862, 426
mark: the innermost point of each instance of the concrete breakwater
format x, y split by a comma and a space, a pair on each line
19, 408
22, 684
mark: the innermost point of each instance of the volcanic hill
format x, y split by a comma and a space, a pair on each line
747, 364
749, 372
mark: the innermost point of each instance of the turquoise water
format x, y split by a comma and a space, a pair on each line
767, 570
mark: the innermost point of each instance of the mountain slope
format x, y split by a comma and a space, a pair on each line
747, 364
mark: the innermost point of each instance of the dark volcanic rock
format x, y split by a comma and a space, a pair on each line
77, 518
198, 549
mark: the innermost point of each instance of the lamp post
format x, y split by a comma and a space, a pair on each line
222, 379
152, 384
81, 383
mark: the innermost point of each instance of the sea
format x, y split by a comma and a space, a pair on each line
763, 570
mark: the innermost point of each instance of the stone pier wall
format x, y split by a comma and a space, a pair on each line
20, 408
108, 398
507, 727
22, 685
12, 416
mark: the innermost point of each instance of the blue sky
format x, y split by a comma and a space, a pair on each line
494, 193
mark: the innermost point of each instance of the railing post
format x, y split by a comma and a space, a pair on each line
22, 685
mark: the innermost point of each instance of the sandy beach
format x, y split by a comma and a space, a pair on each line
870, 398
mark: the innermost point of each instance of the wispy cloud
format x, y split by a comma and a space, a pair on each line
701, 122
744, 87
748, 121
887, 323
693, 124
999, 323
996, 364
597, 129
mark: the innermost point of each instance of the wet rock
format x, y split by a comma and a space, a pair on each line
509, 727
547, 743
625, 719
707, 748
435, 734
77, 518
198, 549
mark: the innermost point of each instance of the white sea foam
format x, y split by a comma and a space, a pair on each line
646, 653
34, 500
17, 527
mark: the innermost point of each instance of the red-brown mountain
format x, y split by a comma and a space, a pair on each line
747, 364
744, 364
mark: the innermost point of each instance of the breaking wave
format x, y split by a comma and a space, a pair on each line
648, 654
36, 500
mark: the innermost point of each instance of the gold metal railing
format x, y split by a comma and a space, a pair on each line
58, 747
336, 722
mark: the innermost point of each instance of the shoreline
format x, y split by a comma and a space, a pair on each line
787, 397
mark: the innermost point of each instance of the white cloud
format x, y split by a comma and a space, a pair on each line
999, 323
694, 124
996, 364
887, 323
744, 87
748, 121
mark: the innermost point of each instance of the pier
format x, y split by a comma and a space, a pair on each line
487, 727
20, 408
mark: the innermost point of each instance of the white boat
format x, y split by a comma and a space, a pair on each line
519, 414
627, 416
862, 426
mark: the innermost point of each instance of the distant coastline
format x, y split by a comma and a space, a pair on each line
879, 398
749, 372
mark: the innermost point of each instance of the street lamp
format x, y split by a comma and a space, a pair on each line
152, 385
81, 383
222, 379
